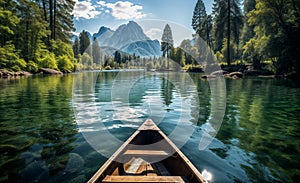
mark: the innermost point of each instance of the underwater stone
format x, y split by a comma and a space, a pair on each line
75, 163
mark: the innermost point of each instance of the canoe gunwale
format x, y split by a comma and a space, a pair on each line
148, 125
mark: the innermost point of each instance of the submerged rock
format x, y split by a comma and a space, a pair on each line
34, 170
49, 71
30, 157
75, 163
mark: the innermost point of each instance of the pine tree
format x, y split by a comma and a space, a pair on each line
30, 31
76, 48
58, 14
63, 24
201, 22
167, 42
84, 41
199, 18
208, 29
248, 30
96, 52
228, 21
118, 57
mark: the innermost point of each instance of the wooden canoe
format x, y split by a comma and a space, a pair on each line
148, 156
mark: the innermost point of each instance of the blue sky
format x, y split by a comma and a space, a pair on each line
92, 14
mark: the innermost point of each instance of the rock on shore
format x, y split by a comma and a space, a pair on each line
5, 73
48, 71
234, 75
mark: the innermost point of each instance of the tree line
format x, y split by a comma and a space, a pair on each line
36, 34
262, 33
91, 56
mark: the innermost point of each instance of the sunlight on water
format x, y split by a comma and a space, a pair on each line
207, 176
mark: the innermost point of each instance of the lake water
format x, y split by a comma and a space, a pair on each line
62, 128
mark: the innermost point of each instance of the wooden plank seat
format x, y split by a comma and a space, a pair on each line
145, 152
134, 179
136, 166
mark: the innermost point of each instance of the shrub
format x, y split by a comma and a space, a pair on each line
64, 63
32, 67
9, 58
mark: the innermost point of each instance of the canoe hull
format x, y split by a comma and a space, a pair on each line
148, 156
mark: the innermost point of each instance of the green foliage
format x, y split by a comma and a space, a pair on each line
199, 18
76, 48
117, 57
32, 67
228, 22
195, 54
225, 51
276, 26
86, 61
8, 21
84, 42
201, 22
31, 30
219, 56
28, 30
64, 63
248, 30
61, 48
63, 24
64, 55
48, 61
9, 58
45, 58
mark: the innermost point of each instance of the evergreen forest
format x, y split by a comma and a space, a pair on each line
259, 34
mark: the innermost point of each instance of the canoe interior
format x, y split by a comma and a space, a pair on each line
148, 156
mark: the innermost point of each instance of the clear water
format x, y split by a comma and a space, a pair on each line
46, 125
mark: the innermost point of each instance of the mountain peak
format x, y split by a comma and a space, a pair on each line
101, 31
132, 23
128, 37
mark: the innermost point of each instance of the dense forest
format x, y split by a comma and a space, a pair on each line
260, 34
36, 34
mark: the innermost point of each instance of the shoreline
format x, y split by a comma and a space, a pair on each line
232, 75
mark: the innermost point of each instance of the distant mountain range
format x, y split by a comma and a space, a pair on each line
129, 38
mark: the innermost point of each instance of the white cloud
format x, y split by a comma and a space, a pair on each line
124, 10
102, 3
85, 9
154, 33
76, 33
